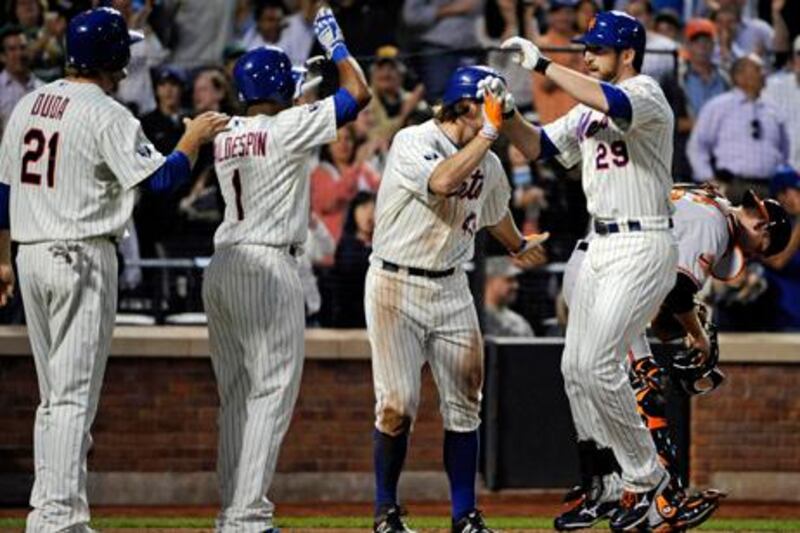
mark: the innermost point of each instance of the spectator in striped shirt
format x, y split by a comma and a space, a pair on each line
739, 139
783, 92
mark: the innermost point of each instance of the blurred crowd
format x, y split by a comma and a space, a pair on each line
730, 69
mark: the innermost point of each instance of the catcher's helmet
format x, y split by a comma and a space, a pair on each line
98, 39
464, 83
617, 30
264, 73
779, 225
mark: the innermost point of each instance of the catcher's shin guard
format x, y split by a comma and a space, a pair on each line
650, 384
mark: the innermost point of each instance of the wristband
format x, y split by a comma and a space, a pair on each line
339, 53
541, 65
522, 245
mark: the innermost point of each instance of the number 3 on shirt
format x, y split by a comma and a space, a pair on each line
237, 190
618, 152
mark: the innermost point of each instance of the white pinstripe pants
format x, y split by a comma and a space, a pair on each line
622, 281
69, 290
411, 320
256, 317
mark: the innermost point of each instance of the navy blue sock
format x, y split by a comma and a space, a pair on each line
461, 464
389, 454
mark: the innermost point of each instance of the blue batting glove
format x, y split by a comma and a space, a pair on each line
330, 35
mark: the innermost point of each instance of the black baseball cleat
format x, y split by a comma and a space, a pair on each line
635, 507
391, 521
696, 509
584, 514
472, 523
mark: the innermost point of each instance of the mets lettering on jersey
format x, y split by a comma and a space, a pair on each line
626, 167
415, 228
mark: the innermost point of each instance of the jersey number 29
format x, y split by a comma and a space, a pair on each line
35, 142
618, 151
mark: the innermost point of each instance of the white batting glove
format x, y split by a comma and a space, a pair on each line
528, 55
498, 88
531, 253
330, 35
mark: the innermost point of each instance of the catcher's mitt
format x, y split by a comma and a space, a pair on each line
696, 374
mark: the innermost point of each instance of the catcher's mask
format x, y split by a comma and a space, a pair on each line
698, 377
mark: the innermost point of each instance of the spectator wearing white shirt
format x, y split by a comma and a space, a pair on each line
738, 36
739, 139
136, 90
783, 92
297, 38
16, 80
269, 16
660, 58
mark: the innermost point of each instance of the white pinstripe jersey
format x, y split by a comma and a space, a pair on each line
626, 167
72, 156
263, 164
705, 237
414, 227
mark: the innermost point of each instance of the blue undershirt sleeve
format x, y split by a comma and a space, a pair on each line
346, 107
547, 149
619, 105
175, 171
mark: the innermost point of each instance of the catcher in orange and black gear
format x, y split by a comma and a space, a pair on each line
715, 239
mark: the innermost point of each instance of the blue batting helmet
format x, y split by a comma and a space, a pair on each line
264, 73
464, 83
617, 30
99, 39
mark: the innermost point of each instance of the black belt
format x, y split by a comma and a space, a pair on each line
583, 245
412, 271
606, 228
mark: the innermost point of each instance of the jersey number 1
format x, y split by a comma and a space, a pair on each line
237, 189
35, 140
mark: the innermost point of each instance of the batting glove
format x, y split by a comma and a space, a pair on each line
496, 86
531, 253
492, 116
330, 35
528, 55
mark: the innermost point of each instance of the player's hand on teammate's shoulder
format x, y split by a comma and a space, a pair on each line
206, 126
7, 282
532, 253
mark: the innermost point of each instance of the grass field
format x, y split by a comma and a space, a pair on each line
423, 523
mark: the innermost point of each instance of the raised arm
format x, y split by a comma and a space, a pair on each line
354, 93
448, 175
598, 95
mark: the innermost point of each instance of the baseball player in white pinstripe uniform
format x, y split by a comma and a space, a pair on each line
252, 290
622, 132
440, 186
714, 238
72, 157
